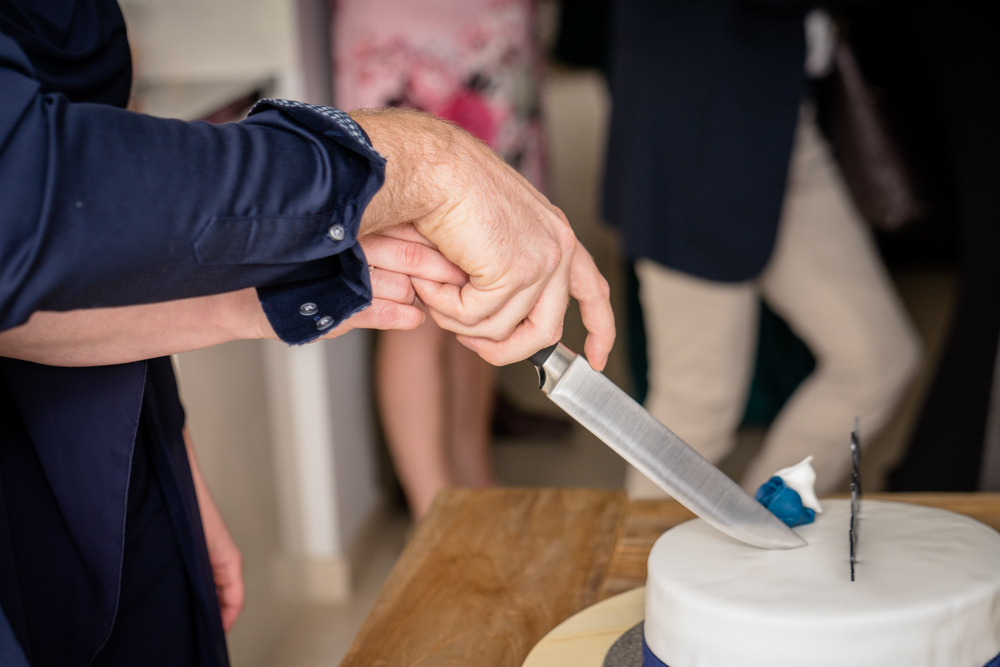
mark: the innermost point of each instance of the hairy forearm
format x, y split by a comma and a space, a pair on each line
416, 146
103, 336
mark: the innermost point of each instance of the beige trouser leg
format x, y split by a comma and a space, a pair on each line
701, 338
827, 281
825, 278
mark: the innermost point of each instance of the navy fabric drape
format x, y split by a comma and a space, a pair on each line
706, 98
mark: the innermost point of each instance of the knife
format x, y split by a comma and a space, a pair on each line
626, 427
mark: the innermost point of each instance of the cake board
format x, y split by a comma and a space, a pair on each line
584, 639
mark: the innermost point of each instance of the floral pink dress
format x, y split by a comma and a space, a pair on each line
473, 62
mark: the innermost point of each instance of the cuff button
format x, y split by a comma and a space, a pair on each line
308, 309
337, 232
324, 322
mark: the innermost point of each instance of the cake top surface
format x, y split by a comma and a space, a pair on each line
927, 593
908, 556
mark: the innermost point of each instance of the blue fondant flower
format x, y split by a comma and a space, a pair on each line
785, 503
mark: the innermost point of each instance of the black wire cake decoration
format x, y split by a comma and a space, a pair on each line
855, 491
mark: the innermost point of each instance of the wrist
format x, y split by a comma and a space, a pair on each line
417, 148
246, 316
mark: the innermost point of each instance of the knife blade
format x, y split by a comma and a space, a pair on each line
626, 427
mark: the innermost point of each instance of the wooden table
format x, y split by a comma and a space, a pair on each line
489, 572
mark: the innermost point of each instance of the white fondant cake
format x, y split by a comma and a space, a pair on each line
927, 594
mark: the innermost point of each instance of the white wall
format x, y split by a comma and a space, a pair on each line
225, 397
354, 464
319, 400
211, 39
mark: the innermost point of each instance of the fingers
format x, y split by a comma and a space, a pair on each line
411, 258
393, 306
381, 314
529, 337
232, 594
385, 314
472, 308
542, 327
227, 572
392, 286
407, 232
589, 287
492, 306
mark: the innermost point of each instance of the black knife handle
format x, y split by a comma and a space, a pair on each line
539, 358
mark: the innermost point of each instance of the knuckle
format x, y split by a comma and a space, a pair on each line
603, 288
551, 258
411, 254
406, 318
506, 332
416, 318
555, 335
384, 313
468, 319
511, 327
565, 231
498, 332
500, 329
401, 290
562, 215
401, 316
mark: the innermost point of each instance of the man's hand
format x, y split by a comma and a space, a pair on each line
521, 256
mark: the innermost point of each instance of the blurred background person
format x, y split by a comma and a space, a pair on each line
475, 63
726, 192
956, 443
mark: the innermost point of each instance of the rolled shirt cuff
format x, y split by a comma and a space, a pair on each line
335, 284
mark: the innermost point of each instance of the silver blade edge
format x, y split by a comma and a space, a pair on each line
626, 427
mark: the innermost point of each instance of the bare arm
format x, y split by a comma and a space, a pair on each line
103, 336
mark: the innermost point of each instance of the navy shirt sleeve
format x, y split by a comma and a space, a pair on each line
105, 207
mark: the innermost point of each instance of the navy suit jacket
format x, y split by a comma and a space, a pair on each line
104, 207
706, 98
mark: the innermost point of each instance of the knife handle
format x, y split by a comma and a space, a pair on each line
539, 358
551, 363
